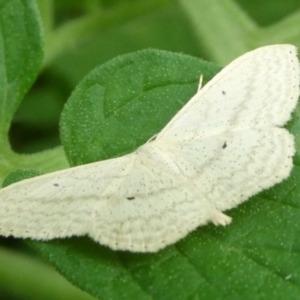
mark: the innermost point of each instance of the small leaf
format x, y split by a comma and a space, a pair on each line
20, 55
20, 175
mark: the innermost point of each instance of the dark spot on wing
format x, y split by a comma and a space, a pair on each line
55, 184
223, 92
224, 145
130, 198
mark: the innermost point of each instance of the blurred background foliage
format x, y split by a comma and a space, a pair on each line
79, 35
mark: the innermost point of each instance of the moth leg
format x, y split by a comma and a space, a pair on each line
218, 218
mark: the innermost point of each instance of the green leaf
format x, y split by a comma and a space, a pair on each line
21, 52
19, 175
123, 103
117, 107
20, 55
